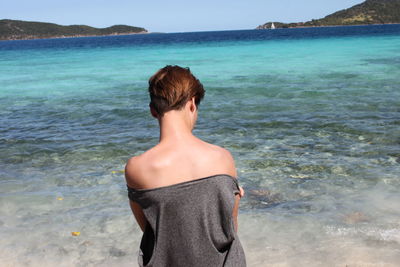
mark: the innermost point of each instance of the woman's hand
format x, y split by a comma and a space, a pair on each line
236, 207
241, 192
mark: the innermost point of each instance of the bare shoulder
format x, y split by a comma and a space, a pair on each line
133, 171
220, 151
224, 158
229, 161
139, 168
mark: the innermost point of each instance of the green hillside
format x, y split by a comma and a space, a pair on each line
17, 29
368, 12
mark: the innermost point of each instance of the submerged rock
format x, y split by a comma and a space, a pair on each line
261, 198
355, 217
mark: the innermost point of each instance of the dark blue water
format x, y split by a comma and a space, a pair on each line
203, 37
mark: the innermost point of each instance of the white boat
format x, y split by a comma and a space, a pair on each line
273, 26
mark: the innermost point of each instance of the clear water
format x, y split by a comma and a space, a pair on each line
312, 117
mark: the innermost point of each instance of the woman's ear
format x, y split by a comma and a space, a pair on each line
153, 111
193, 106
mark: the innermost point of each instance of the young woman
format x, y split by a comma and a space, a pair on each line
183, 192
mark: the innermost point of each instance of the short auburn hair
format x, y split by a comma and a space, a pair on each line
171, 87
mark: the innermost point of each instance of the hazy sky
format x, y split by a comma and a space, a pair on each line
171, 15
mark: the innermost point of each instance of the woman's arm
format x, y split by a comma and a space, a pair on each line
230, 163
139, 215
130, 174
236, 207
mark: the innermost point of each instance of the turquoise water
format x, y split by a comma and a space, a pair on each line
311, 116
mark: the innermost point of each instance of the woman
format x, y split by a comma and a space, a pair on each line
183, 191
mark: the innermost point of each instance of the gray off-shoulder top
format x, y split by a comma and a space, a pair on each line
190, 224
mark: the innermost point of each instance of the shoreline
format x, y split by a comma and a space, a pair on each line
327, 26
72, 36
147, 32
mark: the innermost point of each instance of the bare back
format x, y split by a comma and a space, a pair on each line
173, 162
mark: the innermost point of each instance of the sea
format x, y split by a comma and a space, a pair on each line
311, 116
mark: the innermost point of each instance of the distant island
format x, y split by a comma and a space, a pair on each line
18, 29
368, 12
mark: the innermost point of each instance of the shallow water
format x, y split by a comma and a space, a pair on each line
312, 117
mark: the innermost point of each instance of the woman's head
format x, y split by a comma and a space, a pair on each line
172, 87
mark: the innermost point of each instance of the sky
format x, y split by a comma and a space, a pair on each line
171, 15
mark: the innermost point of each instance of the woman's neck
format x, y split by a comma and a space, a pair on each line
174, 126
